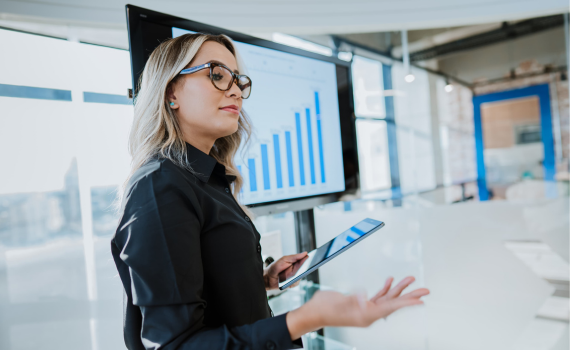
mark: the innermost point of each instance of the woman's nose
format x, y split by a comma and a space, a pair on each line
234, 91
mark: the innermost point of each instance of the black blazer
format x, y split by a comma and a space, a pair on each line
190, 262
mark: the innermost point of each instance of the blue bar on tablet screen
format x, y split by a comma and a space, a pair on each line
363, 227
357, 231
350, 239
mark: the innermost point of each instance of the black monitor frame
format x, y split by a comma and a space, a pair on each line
147, 29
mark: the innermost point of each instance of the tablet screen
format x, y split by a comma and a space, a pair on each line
327, 251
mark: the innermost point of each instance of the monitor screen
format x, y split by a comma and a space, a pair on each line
300, 108
296, 149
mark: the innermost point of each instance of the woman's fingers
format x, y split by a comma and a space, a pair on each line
284, 263
388, 306
384, 290
397, 304
409, 299
400, 303
294, 258
417, 293
396, 291
295, 284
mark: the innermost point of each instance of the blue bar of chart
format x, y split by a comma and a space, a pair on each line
277, 153
252, 180
310, 136
300, 148
265, 167
289, 158
320, 136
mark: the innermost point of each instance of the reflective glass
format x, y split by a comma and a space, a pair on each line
221, 77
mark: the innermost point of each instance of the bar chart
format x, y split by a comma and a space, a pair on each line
308, 148
295, 150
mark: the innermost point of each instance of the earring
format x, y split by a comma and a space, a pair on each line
171, 104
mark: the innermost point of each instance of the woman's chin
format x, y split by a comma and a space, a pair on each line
228, 130
225, 125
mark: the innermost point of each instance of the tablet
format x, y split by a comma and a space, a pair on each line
328, 251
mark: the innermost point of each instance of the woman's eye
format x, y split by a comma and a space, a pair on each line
217, 76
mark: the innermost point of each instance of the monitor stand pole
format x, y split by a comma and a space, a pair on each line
306, 241
305, 235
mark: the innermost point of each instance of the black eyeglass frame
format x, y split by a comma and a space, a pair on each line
211, 65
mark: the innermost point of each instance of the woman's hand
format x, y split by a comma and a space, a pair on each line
334, 309
271, 272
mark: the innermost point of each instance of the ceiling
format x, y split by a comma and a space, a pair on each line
295, 16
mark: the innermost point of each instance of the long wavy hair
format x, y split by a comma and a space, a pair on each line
156, 131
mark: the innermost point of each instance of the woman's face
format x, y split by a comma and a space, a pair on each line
204, 112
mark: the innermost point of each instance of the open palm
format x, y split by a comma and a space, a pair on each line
358, 311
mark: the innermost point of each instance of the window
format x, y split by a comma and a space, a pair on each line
64, 125
368, 86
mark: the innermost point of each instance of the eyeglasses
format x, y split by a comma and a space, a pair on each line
222, 77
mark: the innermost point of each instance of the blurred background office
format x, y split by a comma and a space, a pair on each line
461, 116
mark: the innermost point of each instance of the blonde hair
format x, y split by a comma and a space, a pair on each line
156, 131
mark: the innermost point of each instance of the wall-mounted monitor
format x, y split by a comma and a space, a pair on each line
302, 152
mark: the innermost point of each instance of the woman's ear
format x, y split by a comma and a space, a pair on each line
171, 98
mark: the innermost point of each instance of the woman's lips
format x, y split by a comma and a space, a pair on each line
230, 109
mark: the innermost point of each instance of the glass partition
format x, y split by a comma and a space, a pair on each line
63, 135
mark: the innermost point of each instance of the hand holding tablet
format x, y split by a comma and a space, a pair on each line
282, 265
325, 253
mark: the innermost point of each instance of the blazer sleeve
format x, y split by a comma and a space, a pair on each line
159, 241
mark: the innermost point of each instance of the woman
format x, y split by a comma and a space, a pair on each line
187, 252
